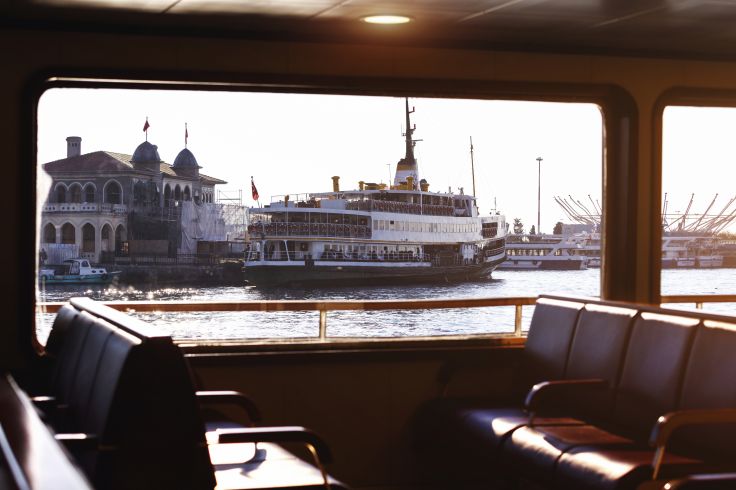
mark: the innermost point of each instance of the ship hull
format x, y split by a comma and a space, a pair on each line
78, 279
329, 274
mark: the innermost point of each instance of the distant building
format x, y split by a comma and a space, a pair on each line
106, 202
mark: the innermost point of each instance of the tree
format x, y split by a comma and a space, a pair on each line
533, 231
518, 226
558, 228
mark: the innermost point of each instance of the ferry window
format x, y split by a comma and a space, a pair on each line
698, 203
166, 206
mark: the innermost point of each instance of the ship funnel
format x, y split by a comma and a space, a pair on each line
424, 185
336, 183
361, 185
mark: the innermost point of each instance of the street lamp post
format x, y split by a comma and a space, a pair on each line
539, 194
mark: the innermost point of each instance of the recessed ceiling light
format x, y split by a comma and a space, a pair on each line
386, 19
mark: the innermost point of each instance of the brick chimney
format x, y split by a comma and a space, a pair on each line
73, 146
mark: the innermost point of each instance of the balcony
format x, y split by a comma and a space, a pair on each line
85, 207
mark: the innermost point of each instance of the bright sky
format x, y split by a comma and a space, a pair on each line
294, 144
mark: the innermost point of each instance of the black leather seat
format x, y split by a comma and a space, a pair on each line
703, 396
129, 390
463, 435
658, 346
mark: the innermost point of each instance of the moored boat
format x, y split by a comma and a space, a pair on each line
377, 233
76, 271
544, 252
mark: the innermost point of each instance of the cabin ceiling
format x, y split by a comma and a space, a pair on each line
690, 28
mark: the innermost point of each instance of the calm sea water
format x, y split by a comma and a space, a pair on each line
380, 323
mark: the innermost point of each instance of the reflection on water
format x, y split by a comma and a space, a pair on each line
397, 323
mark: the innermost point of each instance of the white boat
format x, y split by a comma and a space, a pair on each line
76, 271
679, 250
687, 251
544, 252
374, 234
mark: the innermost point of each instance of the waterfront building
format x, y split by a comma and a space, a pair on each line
105, 203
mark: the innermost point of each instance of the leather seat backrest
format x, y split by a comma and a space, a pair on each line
710, 382
117, 350
653, 368
91, 355
65, 345
548, 343
597, 351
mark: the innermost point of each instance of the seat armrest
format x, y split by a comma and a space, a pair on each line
230, 398
715, 481
78, 441
547, 393
277, 434
668, 423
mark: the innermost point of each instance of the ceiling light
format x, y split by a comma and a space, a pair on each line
386, 19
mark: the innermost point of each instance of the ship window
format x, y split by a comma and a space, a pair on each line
157, 230
698, 205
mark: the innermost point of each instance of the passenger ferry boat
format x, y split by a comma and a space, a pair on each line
545, 252
374, 234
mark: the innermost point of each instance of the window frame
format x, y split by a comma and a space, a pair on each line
619, 153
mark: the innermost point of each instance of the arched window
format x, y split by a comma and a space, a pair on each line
113, 193
61, 194
120, 236
167, 195
89, 193
187, 194
88, 238
75, 192
106, 242
177, 193
68, 234
49, 233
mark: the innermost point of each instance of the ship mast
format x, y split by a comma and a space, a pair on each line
407, 166
409, 157
472, 164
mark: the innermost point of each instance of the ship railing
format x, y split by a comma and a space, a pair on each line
330, 255
494, 251
332, 230
400, 207
336, 256
325, 307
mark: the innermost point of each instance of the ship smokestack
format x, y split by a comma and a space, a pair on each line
336, 183
73, 146
361, 185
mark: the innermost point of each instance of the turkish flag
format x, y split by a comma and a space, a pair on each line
253, 189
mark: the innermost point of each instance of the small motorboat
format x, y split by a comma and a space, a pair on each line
77, 271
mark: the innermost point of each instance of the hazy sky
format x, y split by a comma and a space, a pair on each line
294, 144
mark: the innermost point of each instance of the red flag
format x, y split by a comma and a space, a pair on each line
186, 134
253, 189
146, 126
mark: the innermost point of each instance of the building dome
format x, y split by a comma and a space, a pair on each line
146, 153
185, 159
